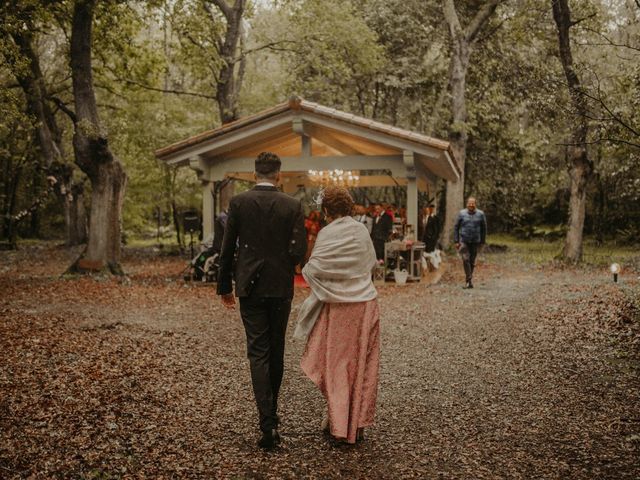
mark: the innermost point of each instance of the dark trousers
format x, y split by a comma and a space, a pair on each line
469, 252
265, 323
378, 246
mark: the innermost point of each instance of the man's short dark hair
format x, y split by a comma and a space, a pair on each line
431, 205
267, 164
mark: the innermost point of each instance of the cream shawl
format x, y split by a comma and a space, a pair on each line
339, 270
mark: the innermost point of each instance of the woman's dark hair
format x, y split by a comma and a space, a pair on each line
337, 201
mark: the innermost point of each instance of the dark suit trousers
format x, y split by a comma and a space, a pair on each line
469, 252
265, 323
378, 246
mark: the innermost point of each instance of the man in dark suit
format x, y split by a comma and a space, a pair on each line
431, 229
266, 229
381, 229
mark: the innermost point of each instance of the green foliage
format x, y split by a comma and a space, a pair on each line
336, 54
195, 47
385, 59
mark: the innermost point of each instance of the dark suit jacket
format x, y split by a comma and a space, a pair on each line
431, 233
266, 228
381, 229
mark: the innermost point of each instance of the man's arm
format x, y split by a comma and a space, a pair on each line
483, 229
228, 251
456, 229
298, 239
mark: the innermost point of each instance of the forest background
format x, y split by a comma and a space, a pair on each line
166, 70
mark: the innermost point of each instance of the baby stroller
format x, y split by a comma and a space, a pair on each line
204, 266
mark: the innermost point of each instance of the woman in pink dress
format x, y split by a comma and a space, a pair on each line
340, 320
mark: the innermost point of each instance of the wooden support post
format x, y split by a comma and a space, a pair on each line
306, 146
207, 208
298, 127
412, 190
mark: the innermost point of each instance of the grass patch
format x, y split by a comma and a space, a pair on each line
540, 252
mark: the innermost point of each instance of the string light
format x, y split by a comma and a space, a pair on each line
343, 178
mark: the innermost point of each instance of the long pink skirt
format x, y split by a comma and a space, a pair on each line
342, 358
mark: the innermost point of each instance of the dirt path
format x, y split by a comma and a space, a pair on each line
519, 378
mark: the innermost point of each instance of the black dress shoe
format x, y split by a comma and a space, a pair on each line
269, 439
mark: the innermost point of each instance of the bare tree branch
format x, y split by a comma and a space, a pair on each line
609, 41
601, 140
166, 90
111, 90
472, 30
273, 46
451, 17
613, 115
580, 20
63, 106
223, 6
491, 32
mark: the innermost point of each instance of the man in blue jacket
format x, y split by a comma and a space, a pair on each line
469, 233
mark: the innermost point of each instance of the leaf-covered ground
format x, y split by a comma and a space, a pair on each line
533, 374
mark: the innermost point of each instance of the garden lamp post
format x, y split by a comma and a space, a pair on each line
615, 269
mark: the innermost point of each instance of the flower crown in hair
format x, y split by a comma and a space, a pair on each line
319, 197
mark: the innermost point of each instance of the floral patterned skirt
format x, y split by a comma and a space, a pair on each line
342, 358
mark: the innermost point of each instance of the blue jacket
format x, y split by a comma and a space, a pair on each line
470, 227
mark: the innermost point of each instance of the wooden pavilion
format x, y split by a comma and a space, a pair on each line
315, 143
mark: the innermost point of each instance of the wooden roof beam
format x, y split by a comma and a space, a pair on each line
330, 140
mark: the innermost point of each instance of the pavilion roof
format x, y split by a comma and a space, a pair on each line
296, 104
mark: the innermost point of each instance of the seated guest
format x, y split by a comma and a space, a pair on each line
340, 318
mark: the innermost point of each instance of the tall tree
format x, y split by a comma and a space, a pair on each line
211, 37
49, 139
579, 164
230, 76
92, 152
463, 41
21, 22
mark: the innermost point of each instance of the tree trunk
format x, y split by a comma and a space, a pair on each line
600, 201
10, 227
36, 192
48, 138
572, 250
580, 167
93, 155
176, 223
463, 41
107, 196
458, 136
75, 215
231, 74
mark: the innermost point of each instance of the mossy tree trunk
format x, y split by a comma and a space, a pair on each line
93, 154
579, 165
463, 40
